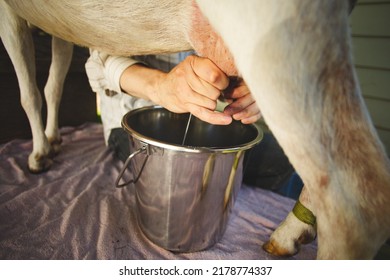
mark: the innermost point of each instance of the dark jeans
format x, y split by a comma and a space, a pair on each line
265, 165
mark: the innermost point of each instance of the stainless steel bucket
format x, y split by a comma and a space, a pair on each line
184, 193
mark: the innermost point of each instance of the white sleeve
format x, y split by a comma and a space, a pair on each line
104, 71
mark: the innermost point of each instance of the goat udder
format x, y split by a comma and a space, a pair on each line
207, 43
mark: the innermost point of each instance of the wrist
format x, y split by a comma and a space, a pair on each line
154, 87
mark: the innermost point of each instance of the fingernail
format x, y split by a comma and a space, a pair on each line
227, 119
238, 116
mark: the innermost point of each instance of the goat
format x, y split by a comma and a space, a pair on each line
295, 56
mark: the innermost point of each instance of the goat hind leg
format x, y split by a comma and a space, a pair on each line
17, 40
295, 58
298, 228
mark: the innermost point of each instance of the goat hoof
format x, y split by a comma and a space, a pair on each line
55, 144
273, 248
38, 165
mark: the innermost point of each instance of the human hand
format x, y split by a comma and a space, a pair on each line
242, 105
194, 86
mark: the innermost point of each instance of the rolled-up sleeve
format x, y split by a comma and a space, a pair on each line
104, 71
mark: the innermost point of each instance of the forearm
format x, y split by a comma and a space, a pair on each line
141, 81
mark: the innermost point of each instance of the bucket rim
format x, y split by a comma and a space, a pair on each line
186, 148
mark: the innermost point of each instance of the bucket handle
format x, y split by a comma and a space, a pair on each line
127, 162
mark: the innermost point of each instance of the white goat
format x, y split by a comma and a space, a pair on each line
294, 56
